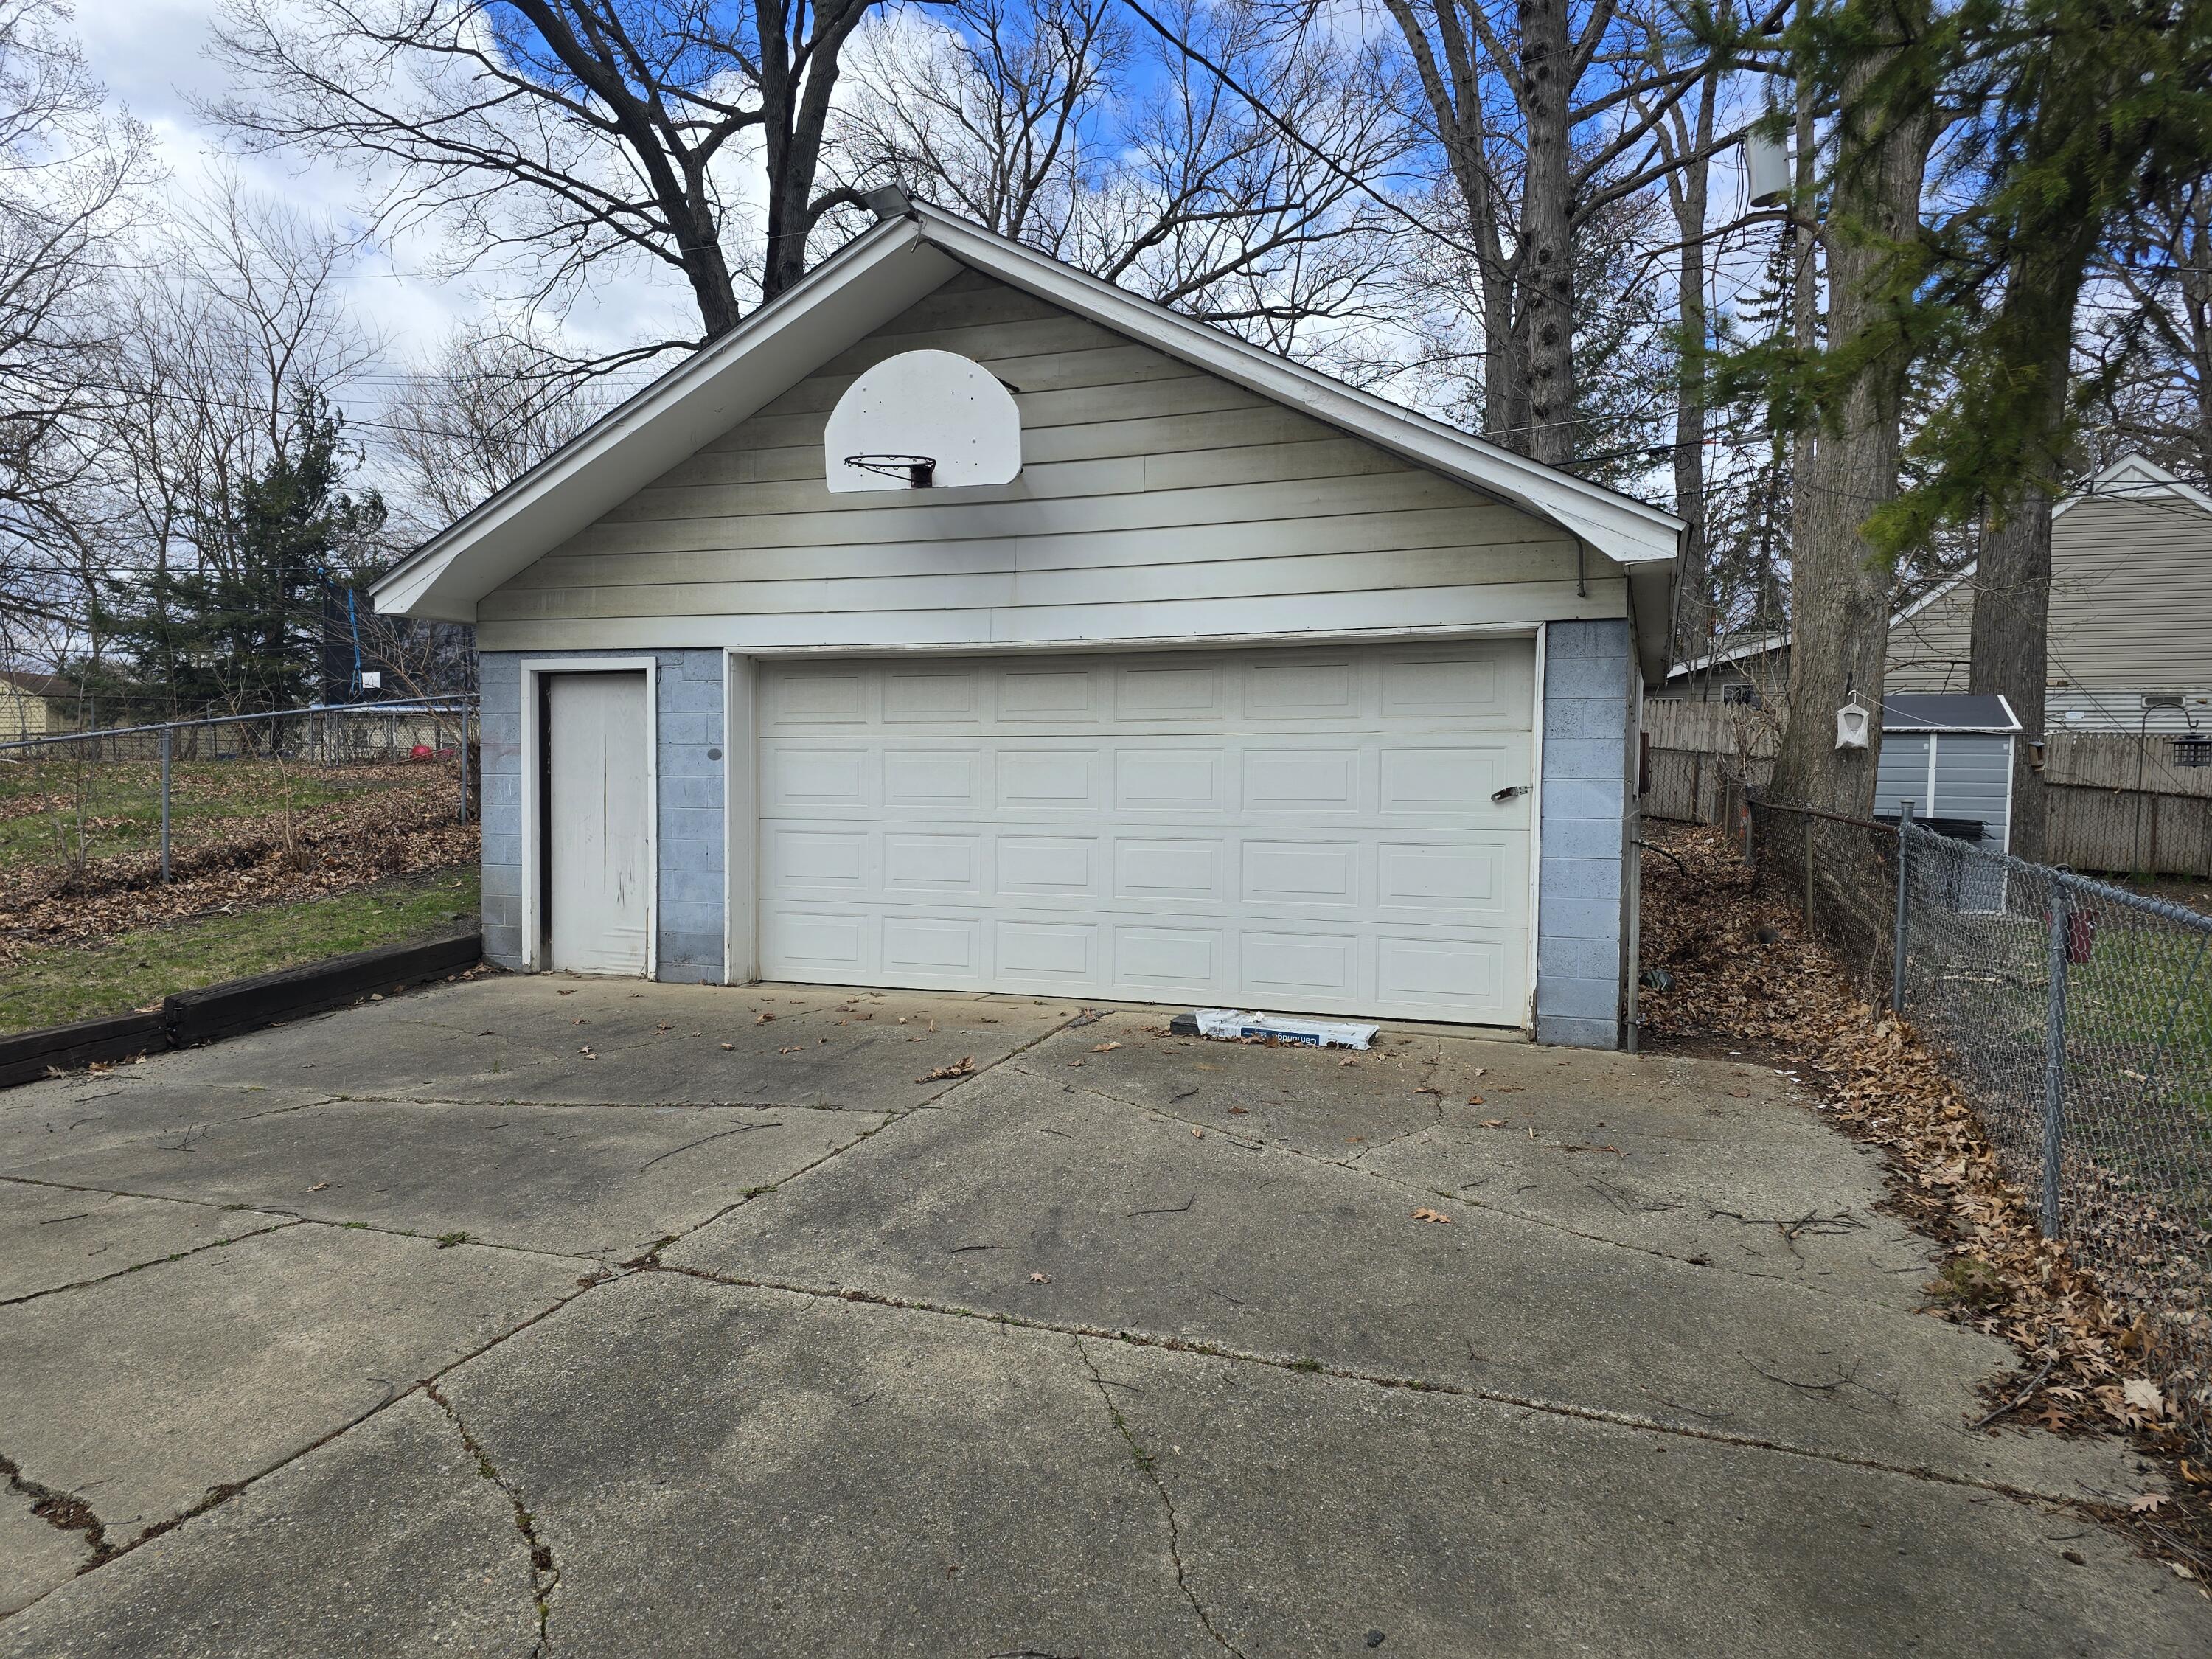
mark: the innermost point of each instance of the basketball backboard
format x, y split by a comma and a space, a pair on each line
923, 420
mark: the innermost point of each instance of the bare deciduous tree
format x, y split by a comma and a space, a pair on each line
564, 135
69, 168
491, 406
1032, 120
1545, 116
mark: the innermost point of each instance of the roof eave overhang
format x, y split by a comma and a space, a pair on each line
871, 280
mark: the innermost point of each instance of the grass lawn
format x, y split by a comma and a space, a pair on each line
55, 986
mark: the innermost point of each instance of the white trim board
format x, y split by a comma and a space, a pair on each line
532, 754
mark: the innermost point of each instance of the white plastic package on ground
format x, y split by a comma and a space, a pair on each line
1285, 1027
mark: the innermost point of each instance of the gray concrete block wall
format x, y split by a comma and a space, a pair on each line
1584, 873
693, 840
690, 765
499, 676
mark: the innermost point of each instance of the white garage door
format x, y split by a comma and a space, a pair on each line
1298, 830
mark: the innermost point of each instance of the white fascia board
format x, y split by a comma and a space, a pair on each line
1733, 654
871, 281
1619, 527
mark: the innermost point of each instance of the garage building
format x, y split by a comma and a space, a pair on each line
1172, 672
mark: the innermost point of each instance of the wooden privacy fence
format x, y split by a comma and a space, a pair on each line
2114, 804
1694, 751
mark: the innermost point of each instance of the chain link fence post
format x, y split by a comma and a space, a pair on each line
2054, 1061
1904, 909
167, 737
1808, 872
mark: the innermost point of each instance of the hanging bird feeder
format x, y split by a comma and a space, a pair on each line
1851, 721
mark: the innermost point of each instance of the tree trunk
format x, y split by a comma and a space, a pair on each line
1692, 630
2011, 638
1545, 266
1840, 585
2011, 646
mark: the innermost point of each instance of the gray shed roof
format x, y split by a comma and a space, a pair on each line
1947, 711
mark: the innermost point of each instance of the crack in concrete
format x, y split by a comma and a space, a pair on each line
64, 1511
1461, 1196
544, 1570
1305, 1367
218, 1495
605, 1105
138, 1266
1147, 1462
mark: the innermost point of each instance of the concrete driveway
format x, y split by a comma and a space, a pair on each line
541, 1315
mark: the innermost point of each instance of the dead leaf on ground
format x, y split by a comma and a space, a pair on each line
1039, 1279
964, 1066
1424, 1213
2147, 1503
762, 1017
1475, 1100
1493, 1123
1105, 1048
586, 1052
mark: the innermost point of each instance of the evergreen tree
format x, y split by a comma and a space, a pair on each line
243, 625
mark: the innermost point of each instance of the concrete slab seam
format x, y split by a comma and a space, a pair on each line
136, 1266
1169, 1343
1258, 1144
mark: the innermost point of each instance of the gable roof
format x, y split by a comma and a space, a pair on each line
1759, 647
2136, 478
871, 280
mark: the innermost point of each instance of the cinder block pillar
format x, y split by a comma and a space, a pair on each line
1585, 880
693, 843
499, 737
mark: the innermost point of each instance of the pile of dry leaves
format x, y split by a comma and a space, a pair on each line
1739, 969
330, 849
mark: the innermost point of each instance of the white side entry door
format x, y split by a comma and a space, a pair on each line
598, 837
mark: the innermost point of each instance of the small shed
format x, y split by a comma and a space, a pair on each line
1950, 755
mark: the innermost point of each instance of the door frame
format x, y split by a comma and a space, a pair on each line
535, 670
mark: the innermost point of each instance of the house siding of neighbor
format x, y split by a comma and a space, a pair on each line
1217, 701
2130, 615
36, 706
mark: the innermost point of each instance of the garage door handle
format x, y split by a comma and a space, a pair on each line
1510, 791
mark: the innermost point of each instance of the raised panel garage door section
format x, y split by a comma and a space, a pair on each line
1300, 830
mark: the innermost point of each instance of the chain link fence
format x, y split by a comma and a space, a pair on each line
119, 798
2077, 1017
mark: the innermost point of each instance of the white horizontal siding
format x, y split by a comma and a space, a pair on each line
1155, 503
2130, 612
1929, 650
2131, 596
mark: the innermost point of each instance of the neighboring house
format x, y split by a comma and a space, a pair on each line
36, 706
2130, 616
1249, 688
